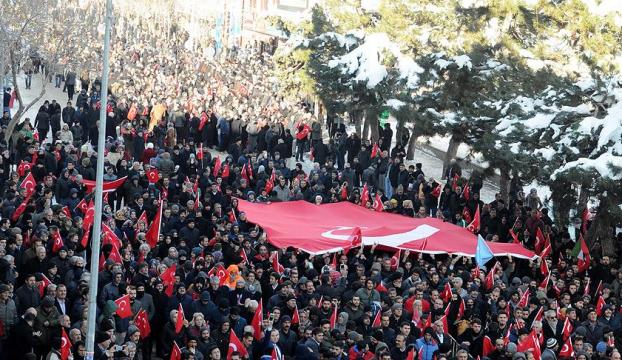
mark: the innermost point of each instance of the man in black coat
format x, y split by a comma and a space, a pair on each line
27, 295
23, 337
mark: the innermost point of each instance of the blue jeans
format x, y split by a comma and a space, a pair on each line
57, 80
28, 80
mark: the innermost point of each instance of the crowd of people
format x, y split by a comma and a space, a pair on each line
192, 133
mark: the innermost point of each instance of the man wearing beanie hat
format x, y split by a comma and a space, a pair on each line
551, 349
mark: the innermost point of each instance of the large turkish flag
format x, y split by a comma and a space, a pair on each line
319, 229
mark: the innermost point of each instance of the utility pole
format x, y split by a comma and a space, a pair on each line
99, 182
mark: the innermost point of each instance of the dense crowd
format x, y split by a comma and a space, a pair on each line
192, 134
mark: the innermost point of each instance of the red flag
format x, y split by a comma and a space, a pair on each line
110, 237
524, 299
58, 241
461, 309
123, 306
257, 321
153, 175
437, 191
220, 272
232, 217
416, 318
540, 241
333, 318
243, 256
142, 323
89, 216
364, 195
244, 173
567, 329
506, 336
23, 167
20, 209
411, 354
599, 288
378, 205
381, 288
249, 170
539, 314
544, 267
344, 193
199, 151
108, 185
43, 284
529, 344
428, 322
376, 323
65, 345
295, 316
514, 237
175, 352
225, 171
375, 150
203, 120
168, 276
82, 205
67, 211
466, 192
446, 293
276, 266
29, 183
395, 260
474, 225
567, 351
270, 183
217, 166
153, 234
490, 278
466, 215
115, 255
85, 237
545, 283
583, 256
488, 346
600, 304
586, 289
179, 324
546, 251
356, 240
142, 222
333, 263
236, 345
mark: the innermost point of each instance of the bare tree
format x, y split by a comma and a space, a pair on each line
31, 28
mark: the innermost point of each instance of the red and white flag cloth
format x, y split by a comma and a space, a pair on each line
236, 345
123, 306
153, 234
142, 323
65, 345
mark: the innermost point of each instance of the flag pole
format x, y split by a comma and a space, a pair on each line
99, 182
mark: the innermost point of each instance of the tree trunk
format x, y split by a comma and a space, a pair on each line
452, 150
601, 232
365, 134
373, 125
357, 116
504, 182
400, 130
410, 152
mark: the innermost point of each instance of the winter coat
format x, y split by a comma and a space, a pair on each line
8, 315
